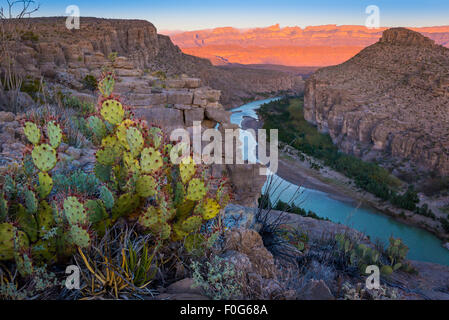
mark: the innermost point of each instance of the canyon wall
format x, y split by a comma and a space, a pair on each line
293, 46
49, 49
389, 101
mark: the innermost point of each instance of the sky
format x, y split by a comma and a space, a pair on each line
205, 14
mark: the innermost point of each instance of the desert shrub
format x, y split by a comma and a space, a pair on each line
160, 74
29, 36
90, 82
218, 279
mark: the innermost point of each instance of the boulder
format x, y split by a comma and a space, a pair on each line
194, 114
179, 97
316, 290
218, 114
168, 118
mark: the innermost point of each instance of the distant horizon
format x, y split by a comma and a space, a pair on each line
194, 15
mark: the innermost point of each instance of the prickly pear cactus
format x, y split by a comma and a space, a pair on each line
79, 236
32, 132
74, 211
11, 240
121, 132
27, 223
146, 186
191, 224
45, 217
44, 157
106, 156
30, 201
155, 135
135, 141
187, 169
196, 190
45, 184
150, 160
3, 208
107, 197
54, 133
210, 209
112, 111
98, 127
106, 86
125, 205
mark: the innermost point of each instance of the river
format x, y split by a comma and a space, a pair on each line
423, 245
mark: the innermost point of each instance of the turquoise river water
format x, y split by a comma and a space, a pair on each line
423, 245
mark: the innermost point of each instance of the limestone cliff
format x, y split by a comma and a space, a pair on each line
50, 49
389, 101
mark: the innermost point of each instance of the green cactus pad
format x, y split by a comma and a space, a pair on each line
196, 190
75, 211
97, 126
31, 202
126, 204
112, 111
78, 236
102, 172
150, 160
155, 134
146, 186
121, 130
210, 209
386, 270
45, 217
106, 156
107, 197
187, 169
27, 223
44, 157
54, 133
131, 164
44, 251
11, 240
106, 86
191, 224
150, 218
178, 234
135, 141
165, 231
32, 132
45, 184
3, 208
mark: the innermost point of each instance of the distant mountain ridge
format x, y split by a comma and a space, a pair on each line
293, 46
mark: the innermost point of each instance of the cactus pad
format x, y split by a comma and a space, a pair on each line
45, 184
45, 217
30, 201
150, 218
151, 160
3, 208
135, 140
107, 197
106, 156
112, 111
187, 169
32, 132
210, 209
125, 205
191, 224
156, 136
146, 186
27, 223
54, 133
106, 86
79, 236
97, 126
121, 132
196, 190
74, 211
44, 157
10, 240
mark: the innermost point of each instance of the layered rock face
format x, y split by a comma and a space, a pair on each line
312, 46
392, 100
49, 49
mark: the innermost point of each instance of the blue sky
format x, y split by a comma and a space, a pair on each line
202, 14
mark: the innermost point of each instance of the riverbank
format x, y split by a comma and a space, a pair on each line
296, 168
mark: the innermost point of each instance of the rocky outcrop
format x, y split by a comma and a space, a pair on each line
389, 101
68, 56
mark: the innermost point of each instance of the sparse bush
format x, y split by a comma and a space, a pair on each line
90, 82
218, 279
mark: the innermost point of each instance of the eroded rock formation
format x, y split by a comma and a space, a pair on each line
390, 100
